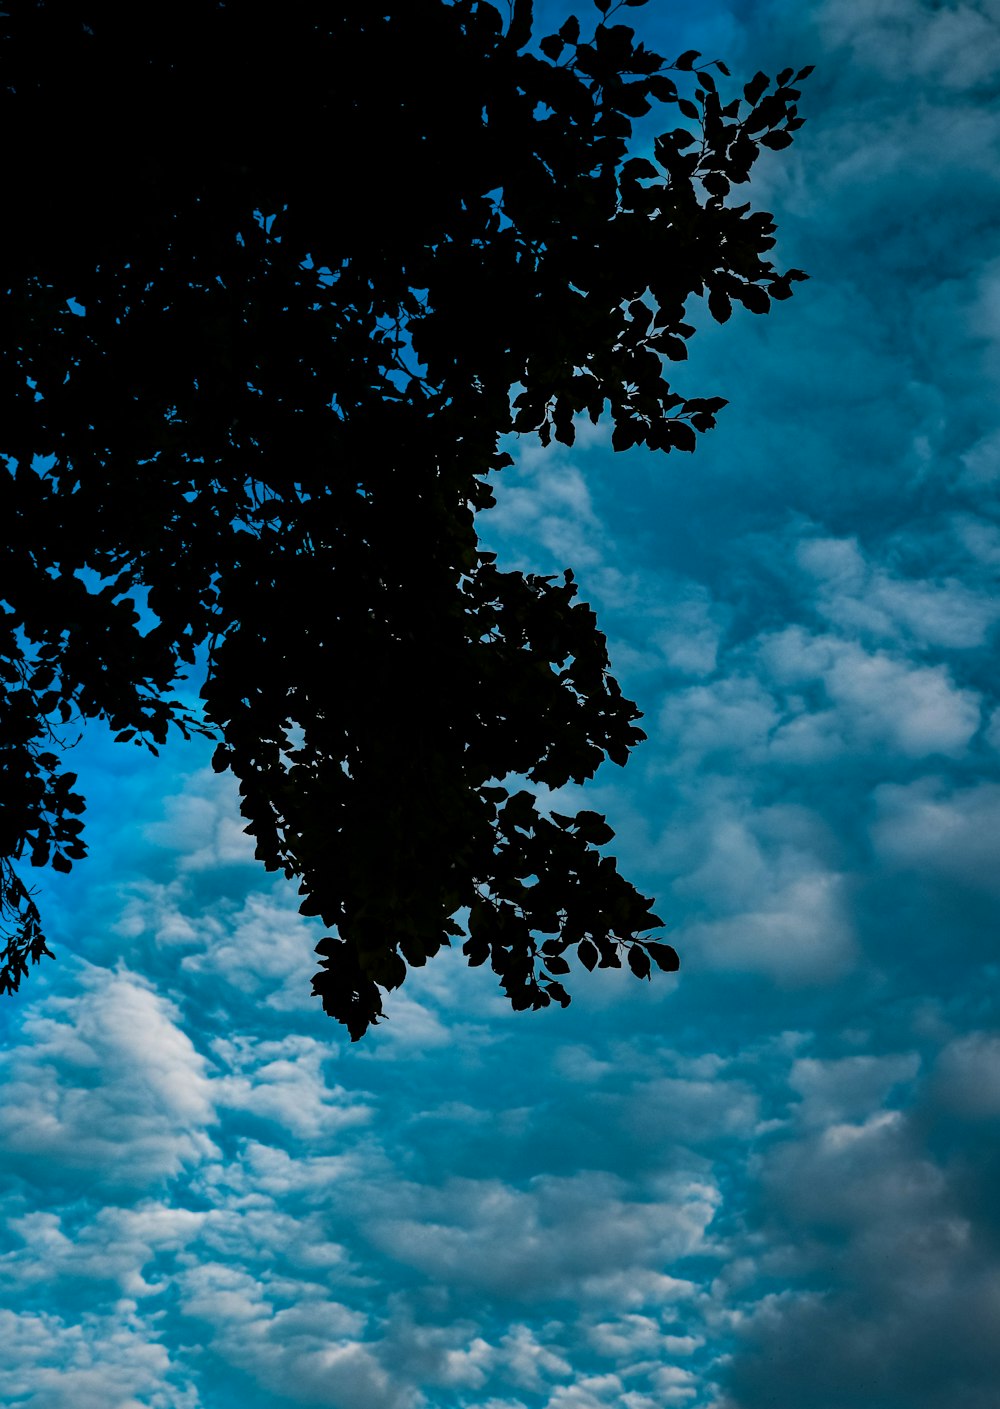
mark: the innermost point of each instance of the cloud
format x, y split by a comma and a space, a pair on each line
546, 1240
203, 825
282, 1082
967, 1077
874, 699
955, 47
861, 598
933, 826
545, 499
771, 1182
97, 1363
265, 950
109, 1086
837, 1091
307, 1351
763, 892
114, 1247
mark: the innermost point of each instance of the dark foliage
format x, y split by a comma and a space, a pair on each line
274, 284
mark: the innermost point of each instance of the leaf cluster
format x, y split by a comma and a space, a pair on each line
274, 290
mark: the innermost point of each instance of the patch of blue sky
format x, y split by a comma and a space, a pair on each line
769, 1181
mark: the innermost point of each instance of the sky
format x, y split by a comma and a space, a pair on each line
768, 1183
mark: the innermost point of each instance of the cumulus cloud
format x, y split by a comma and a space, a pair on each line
909, 1293
765, 893
308, 1350
858, 596
203, 824
96, 1363
114, 1247
106, 1083
546, 501
878, 700
933, 825
547, 1239
282, 1081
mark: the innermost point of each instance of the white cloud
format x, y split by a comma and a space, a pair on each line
527, 1362
690, 633
282, 1081
266, 949
589, 1392
848, 1088
861, 598
95, 1363
203, 824
544, 501
684, 1111
308, 1351
880, 700
981, 469
763, 895
734, 715
936, 827
115, 1246
109, 1084
627, 1336
552, 1238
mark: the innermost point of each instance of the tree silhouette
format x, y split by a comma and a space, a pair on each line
275, 284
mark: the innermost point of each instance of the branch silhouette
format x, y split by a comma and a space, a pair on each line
275, 286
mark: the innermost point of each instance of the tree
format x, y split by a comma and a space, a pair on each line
274, 289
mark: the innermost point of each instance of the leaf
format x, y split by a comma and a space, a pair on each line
688, 108
638, 961
686, 60
662, 88
664, 956
630, 99
624, 435
593, 828
776, 140
754, 298
716, 184
639, 169
477, 951
719, 305
551, 46
570, 31
753, 90
587, 954
681, 436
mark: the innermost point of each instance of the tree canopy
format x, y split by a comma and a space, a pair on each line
276, 283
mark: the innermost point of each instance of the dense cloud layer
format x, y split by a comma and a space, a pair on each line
770, 1182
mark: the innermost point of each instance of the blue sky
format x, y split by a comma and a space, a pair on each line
769, 1182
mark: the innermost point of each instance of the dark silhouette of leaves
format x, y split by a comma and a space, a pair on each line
275, 284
